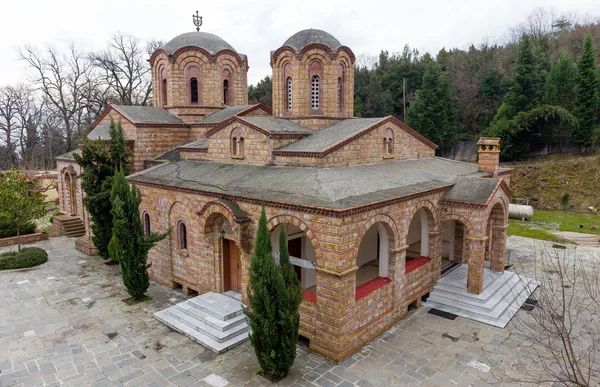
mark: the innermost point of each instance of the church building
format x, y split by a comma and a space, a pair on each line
373, 217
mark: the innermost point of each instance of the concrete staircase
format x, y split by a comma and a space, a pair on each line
502, 296
71, 226
214, 320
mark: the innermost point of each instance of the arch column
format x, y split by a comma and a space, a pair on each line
498, 248
476, 257
397, 271
435, 253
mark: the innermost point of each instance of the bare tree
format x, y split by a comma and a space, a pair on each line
124, 70
8, 125
563, 329
64, 79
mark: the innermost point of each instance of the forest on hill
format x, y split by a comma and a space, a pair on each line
537, 88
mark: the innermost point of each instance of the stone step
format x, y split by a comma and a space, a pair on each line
201, 338
216, 323
218, 305
202, 327
450, 284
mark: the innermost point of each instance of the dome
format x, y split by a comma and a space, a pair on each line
210, 42
303, 38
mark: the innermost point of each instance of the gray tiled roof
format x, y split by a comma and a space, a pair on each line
200, 144
471, 190
305, 37
277, 125
331, 135
171, 155
224, 114
210, 42
101, 132
148, 115
68, 155
333, 188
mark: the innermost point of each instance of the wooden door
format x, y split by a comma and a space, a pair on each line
232, 267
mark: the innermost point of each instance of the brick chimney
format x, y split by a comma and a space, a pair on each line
489, 154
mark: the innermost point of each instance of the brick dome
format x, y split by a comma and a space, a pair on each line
210, 42
303, 38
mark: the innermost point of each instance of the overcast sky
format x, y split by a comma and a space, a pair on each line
257, 27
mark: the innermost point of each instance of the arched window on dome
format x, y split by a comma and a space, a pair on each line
388, 143
315, 95
182, 242
340, 87
289, 94
226, 92
193, 90
164, 92
237, 143
147, 228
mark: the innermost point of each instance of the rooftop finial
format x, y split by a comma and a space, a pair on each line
197, 21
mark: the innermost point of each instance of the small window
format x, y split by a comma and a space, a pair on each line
147, 229
237, 142
340, 95
315, 93
388, 143
226, 92
194, 90
164, 92
182, 236
289, 94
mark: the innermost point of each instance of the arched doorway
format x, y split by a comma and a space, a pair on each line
454, 245
71, 186
302, 254
220, 244
496, 243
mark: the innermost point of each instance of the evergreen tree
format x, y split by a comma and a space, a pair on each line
526, 89
129, 245
99, 165
561, 82
434, 113
291, 325
267, 313
586, 101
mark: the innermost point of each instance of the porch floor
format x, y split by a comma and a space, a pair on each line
503, 294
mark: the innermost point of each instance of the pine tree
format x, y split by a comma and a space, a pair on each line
267, 296
434, 113
129, 245
586, 101
99, 165
291, 324
527, 87
561, 82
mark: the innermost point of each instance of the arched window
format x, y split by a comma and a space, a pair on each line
237, 142
226, 92
147, 229
315, 93
182, 236
289, 94
340, 95
193, 90
388, 142
164, 92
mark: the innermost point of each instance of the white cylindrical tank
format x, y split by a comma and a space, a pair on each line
519, 211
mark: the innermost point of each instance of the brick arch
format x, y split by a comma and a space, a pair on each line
283, 53
215, 207
467, 223
391, 227
315, 46
493, 204
290, 219
432, 214
172, 204
200, 60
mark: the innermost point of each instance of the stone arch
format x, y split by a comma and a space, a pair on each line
69, 179
496, 233
279, 219
460, 218
215, 207
388, 222
502, 203
432, 226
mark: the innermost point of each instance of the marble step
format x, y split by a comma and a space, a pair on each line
218, 305
496, 306
490, 303
204, 328
209, 319
200, 337
450, 284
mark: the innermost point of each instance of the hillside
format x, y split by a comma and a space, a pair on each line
547, 179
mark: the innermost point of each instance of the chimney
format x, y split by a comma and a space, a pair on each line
489, 154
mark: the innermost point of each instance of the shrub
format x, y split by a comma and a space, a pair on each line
8, 230
28, 257
565, 200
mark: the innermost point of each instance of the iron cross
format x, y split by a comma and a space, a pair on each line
197, 21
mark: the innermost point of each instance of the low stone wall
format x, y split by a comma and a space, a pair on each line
308, 318
418, 282
29, 238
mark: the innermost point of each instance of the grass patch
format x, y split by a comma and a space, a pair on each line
527, 230
28, 257
569, 220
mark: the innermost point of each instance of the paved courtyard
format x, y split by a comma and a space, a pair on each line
64, 323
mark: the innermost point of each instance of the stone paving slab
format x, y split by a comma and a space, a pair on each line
64, 324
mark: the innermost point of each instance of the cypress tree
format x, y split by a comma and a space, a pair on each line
434, 113
129, 245
291, 325
586, 101
99, 165
267, 296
